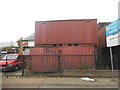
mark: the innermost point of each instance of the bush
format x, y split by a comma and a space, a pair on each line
84, 66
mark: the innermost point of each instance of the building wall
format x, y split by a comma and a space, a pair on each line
25, 45
102, 34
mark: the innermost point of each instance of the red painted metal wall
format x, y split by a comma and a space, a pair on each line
66, 50
71, 62
44, 63
66, 31
77, 62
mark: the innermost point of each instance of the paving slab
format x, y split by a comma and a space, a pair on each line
76, 82
58, 82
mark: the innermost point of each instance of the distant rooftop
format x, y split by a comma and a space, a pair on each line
29, 38
103, 24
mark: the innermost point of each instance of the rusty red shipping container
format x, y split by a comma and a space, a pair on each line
44, 63
66, 50
71, 62
76, 62
66, 32
50, 63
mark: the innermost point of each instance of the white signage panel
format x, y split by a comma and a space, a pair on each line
26, 52
31, 43
112, 40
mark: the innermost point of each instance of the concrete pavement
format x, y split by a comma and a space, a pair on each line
57, 82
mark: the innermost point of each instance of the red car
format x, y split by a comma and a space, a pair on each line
11, 62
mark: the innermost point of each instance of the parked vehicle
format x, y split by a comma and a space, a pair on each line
2, 54
11, 62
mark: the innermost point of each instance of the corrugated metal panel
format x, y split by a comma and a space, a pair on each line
77, 62
67, 31
50, 63
44, 64
66, 50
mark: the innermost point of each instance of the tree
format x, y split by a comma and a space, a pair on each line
7, 48
18, 41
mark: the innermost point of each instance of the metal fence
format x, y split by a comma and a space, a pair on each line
58, 63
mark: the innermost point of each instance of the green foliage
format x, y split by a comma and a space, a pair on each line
18, 41
84, 66
7, 48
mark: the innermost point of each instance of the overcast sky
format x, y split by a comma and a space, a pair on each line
17, 17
